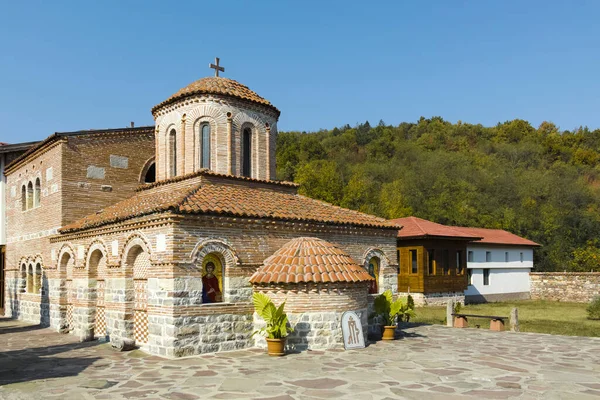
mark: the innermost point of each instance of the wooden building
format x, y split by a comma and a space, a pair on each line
433, 261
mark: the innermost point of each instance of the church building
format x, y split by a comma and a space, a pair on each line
161, 234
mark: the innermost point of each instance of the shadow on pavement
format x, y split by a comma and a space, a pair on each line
16, 326
25, 365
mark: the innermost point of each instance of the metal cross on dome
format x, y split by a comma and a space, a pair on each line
216, 67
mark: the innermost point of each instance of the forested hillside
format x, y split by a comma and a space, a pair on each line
543, 184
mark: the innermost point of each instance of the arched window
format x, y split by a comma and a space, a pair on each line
247, 152
23, 198
150, 176
30, 279
29, 196
173, 153
37, 283
205, 146
37, 193
23, 283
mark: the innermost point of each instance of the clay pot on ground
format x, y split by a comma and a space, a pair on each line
276, 347
389, 332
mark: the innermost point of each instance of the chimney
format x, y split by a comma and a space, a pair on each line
132, 124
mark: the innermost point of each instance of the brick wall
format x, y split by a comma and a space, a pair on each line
100, 170
579, 287
28, 231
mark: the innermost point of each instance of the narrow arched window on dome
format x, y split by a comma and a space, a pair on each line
173, 153
37, 193
247, 152
205, 146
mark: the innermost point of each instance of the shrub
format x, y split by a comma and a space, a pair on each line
275, 318
389, 310
457, 307
593, 309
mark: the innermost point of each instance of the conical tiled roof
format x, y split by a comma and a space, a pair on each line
217, 85
308, 259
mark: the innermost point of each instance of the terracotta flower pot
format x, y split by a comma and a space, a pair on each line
389, 332
276, 347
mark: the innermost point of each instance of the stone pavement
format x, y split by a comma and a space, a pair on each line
428, 362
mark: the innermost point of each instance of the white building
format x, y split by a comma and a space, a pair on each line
498, 265
8, 152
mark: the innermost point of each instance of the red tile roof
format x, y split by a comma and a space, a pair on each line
414, 227
204, 193
220, 86
496, 236
308, 259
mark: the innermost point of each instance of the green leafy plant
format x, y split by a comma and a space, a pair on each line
390, 310
457, 307
593, 310
276, 319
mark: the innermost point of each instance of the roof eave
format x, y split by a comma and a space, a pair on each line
442, 237
509, 244
170, 101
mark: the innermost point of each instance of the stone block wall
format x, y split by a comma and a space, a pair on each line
217, 327
435, 299
579, 287
315, 312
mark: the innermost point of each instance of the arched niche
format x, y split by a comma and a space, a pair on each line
375, 261
217, 253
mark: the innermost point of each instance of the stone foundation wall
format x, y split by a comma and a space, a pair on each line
315, 312
217, 330
579, 287
435, 299
313, 330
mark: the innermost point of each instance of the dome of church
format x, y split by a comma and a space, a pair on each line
308, 259
219, 86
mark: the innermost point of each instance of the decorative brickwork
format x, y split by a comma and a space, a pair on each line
579, 287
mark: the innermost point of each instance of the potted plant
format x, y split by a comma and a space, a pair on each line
276, 328
389, 311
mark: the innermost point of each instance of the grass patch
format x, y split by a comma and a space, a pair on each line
552, 317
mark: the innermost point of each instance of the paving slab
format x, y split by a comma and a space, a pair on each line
428, 362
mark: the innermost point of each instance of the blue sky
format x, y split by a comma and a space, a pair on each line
100, 64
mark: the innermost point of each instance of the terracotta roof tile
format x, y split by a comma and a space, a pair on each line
332, 264
496, 236
238, 199
219, 86
413, 227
